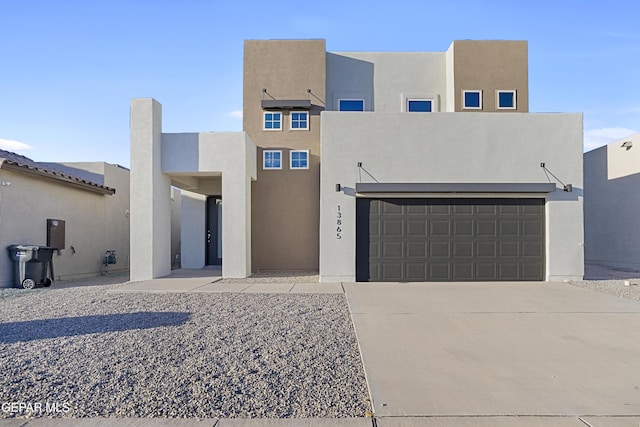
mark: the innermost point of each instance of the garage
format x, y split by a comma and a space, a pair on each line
450, 239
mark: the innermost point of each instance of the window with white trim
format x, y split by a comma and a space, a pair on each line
351, 105
299, 120
272, 120
420, 105
472, 99
506, 99
299, 159
272, 159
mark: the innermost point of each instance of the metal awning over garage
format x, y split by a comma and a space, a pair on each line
419, 187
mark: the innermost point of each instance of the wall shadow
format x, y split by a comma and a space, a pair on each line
32, 330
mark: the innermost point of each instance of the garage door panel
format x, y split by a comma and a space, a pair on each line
392, 271
509, 227
415, 271
440, 228
532, 228
392, 228
531, 249
482, 209
463, 227
416, 228
508, 209
462, 271
439, 209
439, 250
439, 271
449, 239
530, 271
509, 249
462, 249
486, 227
391, 208
486, 271
486, 249
508, 271
374, 228
416, 209
462, 209
392, 249
533, 210
416, 250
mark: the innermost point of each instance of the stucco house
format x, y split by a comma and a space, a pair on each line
80, 208
612, 204
368, 166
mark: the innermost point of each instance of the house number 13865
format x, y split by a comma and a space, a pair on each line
338, 224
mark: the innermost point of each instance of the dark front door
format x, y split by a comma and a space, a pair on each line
449, 239
213, 240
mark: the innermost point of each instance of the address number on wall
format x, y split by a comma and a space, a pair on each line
338, 224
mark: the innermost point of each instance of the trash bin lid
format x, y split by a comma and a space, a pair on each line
24, 247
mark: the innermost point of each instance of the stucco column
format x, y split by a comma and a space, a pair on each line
150, 194
236, 223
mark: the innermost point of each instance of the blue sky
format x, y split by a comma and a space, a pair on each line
68, 69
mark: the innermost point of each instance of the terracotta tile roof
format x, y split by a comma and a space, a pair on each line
51, 170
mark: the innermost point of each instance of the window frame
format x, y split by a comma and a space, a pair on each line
408, 110
264, 160
511, 91
291, 121
351, 99
464, 103
306, 152
264, 121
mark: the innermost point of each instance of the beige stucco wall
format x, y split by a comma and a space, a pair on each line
94, 223
285, 203
612, 204
386, 79
491, 65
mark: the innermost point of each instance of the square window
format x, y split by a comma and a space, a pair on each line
507, 99
472, 99
299, 159
272, 121
300, 120
272, 159
419, 105
351, 105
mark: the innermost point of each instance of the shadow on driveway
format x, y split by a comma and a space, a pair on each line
31, 330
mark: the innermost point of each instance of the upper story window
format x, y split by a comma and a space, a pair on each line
472, 99
299, 120
506, 99
351, 105
420, 105
299, 159
272, 159
272, 121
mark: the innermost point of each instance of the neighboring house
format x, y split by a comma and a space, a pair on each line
612, 204
368, 166
81, 208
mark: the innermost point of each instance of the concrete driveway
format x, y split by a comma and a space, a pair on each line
543, 353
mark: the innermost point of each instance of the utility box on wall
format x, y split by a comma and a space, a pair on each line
55, 233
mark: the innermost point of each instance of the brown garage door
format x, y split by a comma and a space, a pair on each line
449, 239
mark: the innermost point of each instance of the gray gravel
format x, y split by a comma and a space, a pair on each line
180, 355
610, 281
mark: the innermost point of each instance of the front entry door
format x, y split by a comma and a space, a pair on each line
214, 231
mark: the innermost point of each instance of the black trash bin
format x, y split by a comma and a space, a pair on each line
33, 265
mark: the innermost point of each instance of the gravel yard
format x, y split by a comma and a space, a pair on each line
94, 353
610, 281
